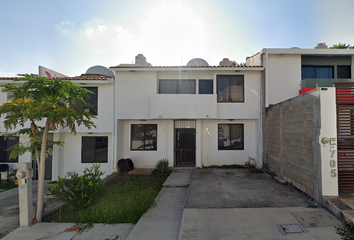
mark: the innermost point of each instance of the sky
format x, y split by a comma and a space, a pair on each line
70, 36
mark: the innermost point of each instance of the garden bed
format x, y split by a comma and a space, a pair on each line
124, 200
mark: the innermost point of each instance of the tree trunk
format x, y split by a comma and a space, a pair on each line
40, 200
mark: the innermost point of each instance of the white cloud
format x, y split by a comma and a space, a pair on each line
64, 27
67, 23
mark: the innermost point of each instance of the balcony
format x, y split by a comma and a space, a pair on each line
188, 106
322, 82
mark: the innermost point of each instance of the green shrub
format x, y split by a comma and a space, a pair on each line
162, 165
78, 191
346, 231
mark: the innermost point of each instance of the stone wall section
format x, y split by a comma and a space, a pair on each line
291, 130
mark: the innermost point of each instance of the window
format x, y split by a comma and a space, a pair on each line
230, 137
230, 88
92, 99
6, 143
317, 72
143, 137
205, 86
185, 86
94, 150
344, 72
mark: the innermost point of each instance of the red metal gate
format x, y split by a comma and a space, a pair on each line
345, 135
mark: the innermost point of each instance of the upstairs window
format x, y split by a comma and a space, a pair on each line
230, 88
177, 86
344, 72
143, 137
6, 143
92, 99
317, 72
205, 86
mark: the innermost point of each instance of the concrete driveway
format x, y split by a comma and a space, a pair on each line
237, 204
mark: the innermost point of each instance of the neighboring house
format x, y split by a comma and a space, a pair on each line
291, 70
87, 146
308, 138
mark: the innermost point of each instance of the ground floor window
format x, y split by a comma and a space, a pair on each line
143, 137
94, 150
6, 143
230, 137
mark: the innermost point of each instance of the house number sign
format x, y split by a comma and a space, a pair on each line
332, 164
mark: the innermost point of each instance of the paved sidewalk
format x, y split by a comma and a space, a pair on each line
164, 219
57, 231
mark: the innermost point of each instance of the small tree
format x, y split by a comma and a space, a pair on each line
341, 46
45, 99
234, 63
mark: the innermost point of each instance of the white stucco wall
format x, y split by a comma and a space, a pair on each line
140, 95
283, 77
207, 152
105, 107
133, 91
210, 155
147, 159
329, 130
70, 154
251, 107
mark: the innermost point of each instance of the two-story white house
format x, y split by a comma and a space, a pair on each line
192, 115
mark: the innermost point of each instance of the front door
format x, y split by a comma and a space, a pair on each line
185, 147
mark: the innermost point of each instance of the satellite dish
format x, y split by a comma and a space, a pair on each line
100, 70
197, 62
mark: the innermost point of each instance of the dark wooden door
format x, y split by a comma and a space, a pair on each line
185, 147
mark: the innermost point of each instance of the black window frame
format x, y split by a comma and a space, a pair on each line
315, 67
93, 100
5, 143
229, 97
143, 140
340, 72
177, 86
103, 140
231, 145
201, 89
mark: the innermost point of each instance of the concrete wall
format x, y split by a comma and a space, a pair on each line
293, 149
291, 129
255, 60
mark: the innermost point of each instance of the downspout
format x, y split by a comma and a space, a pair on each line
114, 125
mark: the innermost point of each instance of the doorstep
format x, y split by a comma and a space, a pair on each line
141, 171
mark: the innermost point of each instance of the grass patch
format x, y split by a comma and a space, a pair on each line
124, 200
232, 166
7, 186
